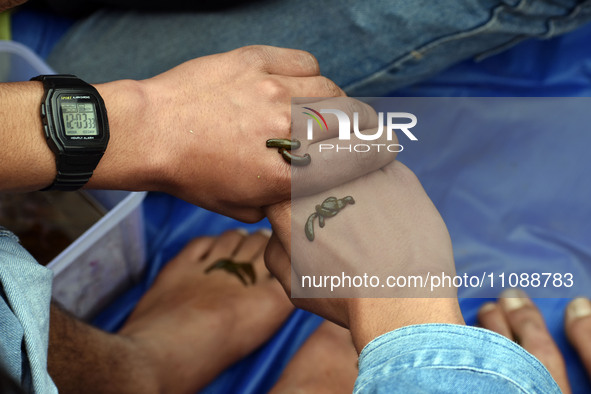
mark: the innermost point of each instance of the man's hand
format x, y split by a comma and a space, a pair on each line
200, 129
392, 229
199, 132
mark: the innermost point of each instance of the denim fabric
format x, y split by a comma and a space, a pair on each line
447, 358
24, 316
370, 48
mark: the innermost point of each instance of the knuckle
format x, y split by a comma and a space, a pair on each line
273, 89
329, 88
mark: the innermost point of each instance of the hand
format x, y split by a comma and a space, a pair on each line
206, 122
392, 229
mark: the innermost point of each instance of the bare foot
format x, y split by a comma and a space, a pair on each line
516, 317
195, 324
327, 363
577, 324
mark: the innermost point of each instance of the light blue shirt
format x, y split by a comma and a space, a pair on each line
448, 358
24, 316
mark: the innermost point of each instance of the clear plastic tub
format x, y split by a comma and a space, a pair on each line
110, 256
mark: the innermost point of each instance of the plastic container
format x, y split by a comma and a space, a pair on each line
19, 63
110, 256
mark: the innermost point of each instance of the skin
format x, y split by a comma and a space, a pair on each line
516, 317
399, 204
177, 339
167, 134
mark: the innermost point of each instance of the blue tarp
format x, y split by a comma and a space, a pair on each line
557, 67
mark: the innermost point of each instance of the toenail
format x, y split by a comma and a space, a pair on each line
242, 231
513, 299
578, 308
487, 307
266, 232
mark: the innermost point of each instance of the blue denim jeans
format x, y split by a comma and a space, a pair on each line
370, 48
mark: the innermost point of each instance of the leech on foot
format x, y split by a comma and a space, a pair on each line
285, 145
238, 269
329, 208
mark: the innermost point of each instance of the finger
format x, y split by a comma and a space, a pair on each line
578, 329
277, 262
315, 86
226, 244
335, 162
281, 61
491, 317
326, 125
280, 217
530, 330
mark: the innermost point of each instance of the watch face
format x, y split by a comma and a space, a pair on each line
78, 116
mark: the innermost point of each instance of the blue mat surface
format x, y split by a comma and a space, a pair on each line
557, 67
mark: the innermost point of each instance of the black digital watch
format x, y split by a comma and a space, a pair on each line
76, 127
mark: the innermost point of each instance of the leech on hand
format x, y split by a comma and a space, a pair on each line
285, 145
329, 208
237, 269
296, 160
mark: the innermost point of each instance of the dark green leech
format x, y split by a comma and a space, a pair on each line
329, 208
237, 269
285, 145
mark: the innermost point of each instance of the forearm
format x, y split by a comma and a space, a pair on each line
83, 359
25, 158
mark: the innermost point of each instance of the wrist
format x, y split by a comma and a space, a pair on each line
130, 161
371, 317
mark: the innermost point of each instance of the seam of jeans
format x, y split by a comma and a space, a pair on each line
420, 52
551, 31
4, 232
574, 12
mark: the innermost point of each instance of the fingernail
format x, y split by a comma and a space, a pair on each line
578, 308
487, 307
242, 231
266, 232
513, 299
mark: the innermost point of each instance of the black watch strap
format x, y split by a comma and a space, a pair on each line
58, 81
74, 169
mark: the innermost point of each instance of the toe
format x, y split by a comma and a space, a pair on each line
491, 317
578, 328
252, 248
226, 245
528, 326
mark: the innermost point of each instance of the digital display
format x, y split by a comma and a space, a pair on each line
79, 118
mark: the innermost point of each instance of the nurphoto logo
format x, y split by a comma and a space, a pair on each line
402, 121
